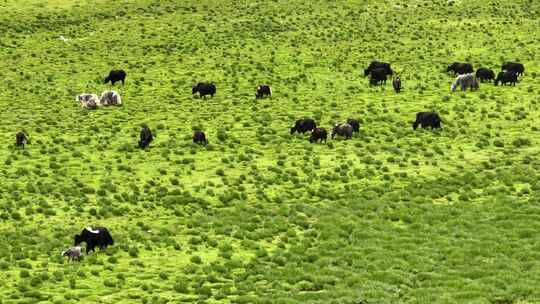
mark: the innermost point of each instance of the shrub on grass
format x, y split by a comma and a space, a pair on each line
196, 259
163, 275
520, 142
109, 283
36, 281
181, 287
133, 252
58, 275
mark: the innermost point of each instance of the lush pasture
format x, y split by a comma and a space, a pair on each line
260, 216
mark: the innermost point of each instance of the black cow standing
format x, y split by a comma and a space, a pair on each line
485, 74
204, 89
355, 124
146, 137
318, 134
515, 67
303, 125
460, 68
116, 75
263, 90
199, 138
378, 65
20, 139
397, 84
94, 237
509, 77
427, 119
377, 76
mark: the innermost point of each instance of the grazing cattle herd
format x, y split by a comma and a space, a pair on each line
378, 73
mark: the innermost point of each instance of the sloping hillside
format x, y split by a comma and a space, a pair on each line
261, 216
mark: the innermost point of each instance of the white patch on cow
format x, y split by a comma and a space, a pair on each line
118, 98
89, 229
270, 88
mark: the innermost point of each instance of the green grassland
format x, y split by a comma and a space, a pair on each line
260, 216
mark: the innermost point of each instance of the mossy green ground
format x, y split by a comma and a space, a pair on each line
260, 216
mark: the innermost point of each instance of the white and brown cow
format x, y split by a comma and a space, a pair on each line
88, 101
110, 98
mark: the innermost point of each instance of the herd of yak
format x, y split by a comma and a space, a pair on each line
378, 73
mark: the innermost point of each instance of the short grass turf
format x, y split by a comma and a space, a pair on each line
259, 216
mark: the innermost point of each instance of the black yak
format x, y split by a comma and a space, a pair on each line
396, 83
199, 138
318, 134
263, 90
377, 76
116, 75
509, 77
97, 237
303, 125
204, 89
515, 67
427, 119
485, 74
146, 137
378, 65
20, 139
355, 124
460, 68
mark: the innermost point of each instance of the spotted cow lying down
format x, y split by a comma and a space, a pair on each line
92, 101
